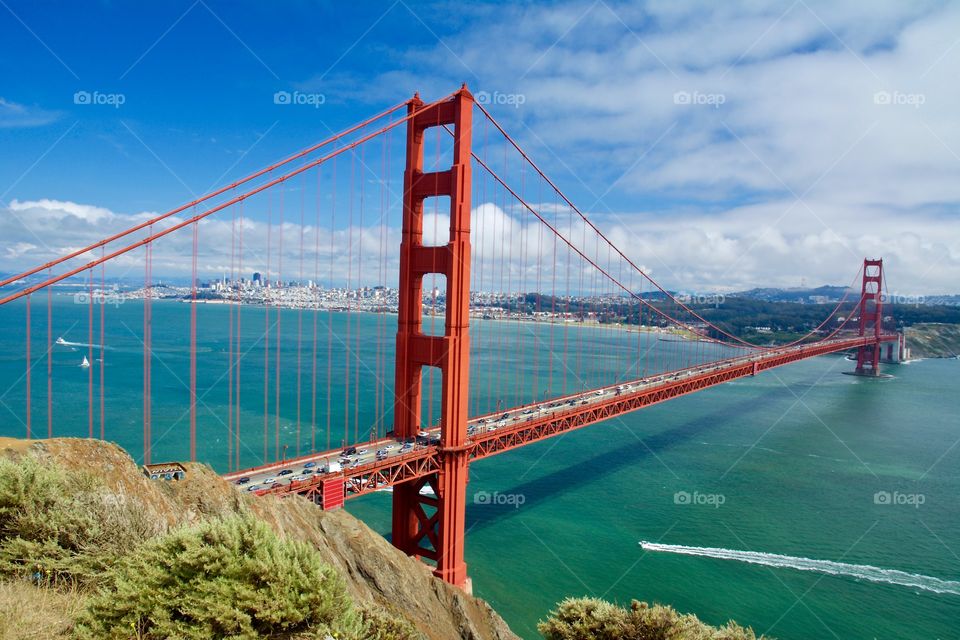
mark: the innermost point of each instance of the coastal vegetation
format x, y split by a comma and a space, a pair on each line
91, 548
595, 619
934, 340
108, 553
756, 321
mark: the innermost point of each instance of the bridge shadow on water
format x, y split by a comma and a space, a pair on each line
480, 516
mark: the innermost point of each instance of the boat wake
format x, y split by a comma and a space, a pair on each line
66, 343
858, 571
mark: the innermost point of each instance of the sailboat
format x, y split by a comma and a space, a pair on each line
86, 363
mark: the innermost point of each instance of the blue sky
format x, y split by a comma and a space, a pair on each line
725, 145
197, 80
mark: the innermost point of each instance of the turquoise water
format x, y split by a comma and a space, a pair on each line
798, 455
788, 463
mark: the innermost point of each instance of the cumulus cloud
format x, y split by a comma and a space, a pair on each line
736, 145
35, 232
722, 145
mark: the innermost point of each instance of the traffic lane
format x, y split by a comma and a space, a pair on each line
484, 425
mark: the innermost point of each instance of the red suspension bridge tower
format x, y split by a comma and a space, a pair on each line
433, 526
871, 317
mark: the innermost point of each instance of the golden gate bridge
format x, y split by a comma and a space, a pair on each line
477, 231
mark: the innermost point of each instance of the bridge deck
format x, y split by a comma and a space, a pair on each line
383, 463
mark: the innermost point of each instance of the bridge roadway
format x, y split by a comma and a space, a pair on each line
380, 464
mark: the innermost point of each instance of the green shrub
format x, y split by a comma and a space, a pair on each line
387, 624
595, 619
232, 578
61, 525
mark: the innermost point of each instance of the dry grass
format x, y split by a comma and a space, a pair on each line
36, 613
15, 445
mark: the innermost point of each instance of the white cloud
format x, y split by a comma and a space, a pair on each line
849, 107
14, 115
59, 210
797, 175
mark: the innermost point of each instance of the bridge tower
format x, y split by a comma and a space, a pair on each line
428, 526
871, 317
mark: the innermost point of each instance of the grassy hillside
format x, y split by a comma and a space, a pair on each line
933, 340
91, 548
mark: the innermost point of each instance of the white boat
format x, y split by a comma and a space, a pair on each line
426, 490
60, 340
86, 363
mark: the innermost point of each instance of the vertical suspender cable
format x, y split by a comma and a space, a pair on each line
316, 312
49, 359
236, 345
27, 342
265, 283
193, 350
300, 301
230, 342
280, 296
90, 358
356, 370
103, 359
333, 216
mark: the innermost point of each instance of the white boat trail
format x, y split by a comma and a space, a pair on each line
66, 343
829, 567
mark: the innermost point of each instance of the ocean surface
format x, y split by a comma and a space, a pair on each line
803, 502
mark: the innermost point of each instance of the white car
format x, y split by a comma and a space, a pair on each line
268, 481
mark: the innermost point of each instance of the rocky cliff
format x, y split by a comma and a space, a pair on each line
933, 340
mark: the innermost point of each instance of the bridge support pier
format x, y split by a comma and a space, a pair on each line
432, 526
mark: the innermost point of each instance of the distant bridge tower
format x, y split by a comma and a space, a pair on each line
871, 317
432, 526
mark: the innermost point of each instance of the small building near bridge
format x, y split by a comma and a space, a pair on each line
165, 471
